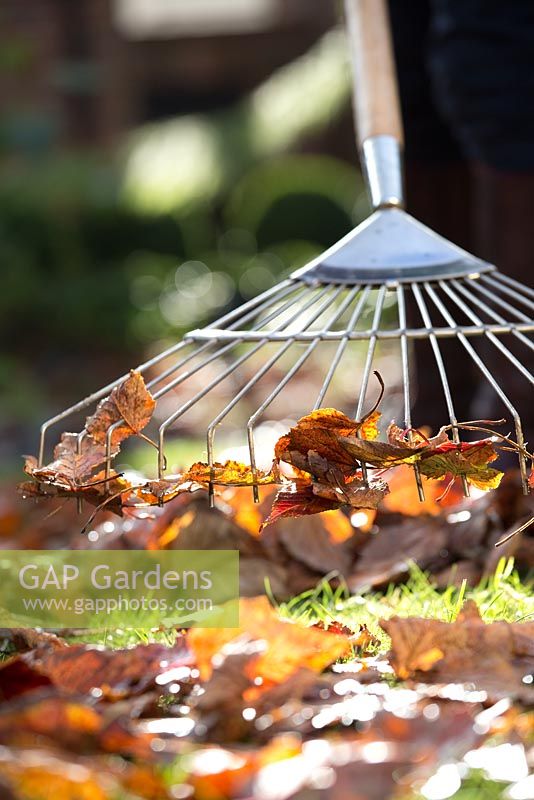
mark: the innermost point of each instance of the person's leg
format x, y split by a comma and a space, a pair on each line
438, 193
481, 59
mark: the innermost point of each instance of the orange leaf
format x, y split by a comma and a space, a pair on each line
231, 473
288, 646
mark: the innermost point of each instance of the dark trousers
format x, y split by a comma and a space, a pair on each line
466, 76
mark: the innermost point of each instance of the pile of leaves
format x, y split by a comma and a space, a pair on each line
321, 464
228, 713
271, 709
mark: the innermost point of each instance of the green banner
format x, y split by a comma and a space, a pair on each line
108, 589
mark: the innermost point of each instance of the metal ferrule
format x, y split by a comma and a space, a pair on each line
382, 166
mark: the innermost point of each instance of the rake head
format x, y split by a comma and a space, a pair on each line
310, 342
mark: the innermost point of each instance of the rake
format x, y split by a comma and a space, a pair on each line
389, 286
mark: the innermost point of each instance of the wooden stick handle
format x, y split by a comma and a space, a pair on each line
376, 95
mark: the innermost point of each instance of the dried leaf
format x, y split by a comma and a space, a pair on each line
36, 774
297, 502
493, 656
231, 473
381, 455
70, 468
131, 401
80, 668
467, 459
287, 646
319, 432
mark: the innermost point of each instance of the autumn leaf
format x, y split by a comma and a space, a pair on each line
287, 646
466, 459
27, 772
69, 468
319, 433
131, 402
381, 455
298, 501
413, 438
435, 457
493, 656
35, 773
80, 668
231, 473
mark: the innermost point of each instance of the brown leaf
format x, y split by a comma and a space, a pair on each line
356, 493
297, 502
26, 773
436, 458
493, 656
70, 468
80, 668
467, 459
36, 774
319, 432
131, 401
304, 499
381, 455
387, 556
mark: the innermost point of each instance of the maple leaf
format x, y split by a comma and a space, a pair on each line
381, 455
287, 647
493, 656
69, 468
466, 459
436, 457
319, 433
131, 402
231, 473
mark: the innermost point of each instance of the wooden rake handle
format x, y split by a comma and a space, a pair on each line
376, 95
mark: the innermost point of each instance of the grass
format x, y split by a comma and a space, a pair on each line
502, 596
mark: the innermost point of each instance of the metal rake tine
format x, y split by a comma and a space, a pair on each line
423, 310
226, 410
491, 380
369, 360
519, 287
489, 311
500, 302
488, 335
186, 406
513, 293
344, 341
256, 304
401, 308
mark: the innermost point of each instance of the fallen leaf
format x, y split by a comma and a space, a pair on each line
492, 656
298, 501
32, 774
467, 459
80, 668
319, 432
231, 473
287, 646
70, 468
131, 402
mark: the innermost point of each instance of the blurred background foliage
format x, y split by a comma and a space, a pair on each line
114, 244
